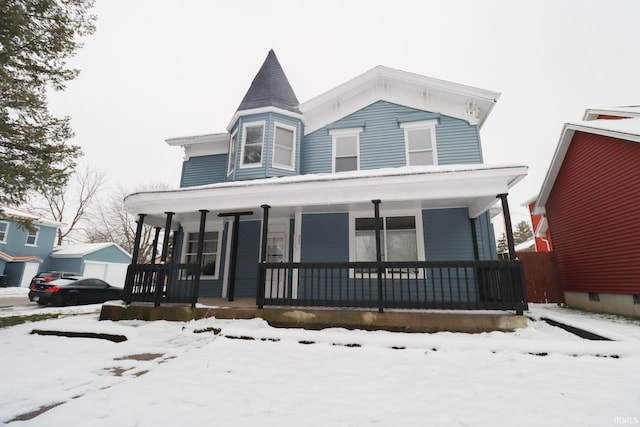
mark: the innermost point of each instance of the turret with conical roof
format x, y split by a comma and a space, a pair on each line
267, 127
270, 88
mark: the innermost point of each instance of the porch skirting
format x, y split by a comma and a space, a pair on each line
318, 318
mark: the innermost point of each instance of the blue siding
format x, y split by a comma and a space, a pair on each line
109, 254
325, 238
204, 170
382, 140
447, 234
75, 265
266, 170
17, 238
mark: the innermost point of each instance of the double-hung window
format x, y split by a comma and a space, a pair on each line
209, 253
4, 231
252, 144
284, 140
346, 149
32, 237
420, 142
232, 153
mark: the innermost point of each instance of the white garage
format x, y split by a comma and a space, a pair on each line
106, 261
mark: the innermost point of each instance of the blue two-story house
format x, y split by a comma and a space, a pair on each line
23, 250
373, 194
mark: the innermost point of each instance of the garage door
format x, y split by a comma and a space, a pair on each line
30, 270
112, 273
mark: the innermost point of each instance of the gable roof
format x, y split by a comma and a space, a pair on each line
399, 87
15, 213
625, 129
83, 249
594, 113
270, 88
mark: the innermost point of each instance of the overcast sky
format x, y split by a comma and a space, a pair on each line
161, 69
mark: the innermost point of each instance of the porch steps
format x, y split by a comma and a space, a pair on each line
320, 318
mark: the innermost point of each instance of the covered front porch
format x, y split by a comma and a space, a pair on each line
402, 238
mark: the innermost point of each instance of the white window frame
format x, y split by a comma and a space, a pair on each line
35, 235
262, 123
185, 245
421, 125
337, 133
416, 213
293, 147
6, 231
233, 143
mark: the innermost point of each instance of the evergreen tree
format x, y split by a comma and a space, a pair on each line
36, 39
502, 244
522, 233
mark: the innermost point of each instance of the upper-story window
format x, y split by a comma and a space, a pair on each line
420, 142
4, 231
284, 142
252, 144
32, 237
346, 149
233, 146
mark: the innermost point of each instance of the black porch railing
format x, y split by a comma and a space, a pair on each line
469, 285
162, 283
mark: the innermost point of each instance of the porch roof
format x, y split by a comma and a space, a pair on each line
472, 186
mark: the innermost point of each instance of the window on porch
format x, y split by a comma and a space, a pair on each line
398, 239
210, 252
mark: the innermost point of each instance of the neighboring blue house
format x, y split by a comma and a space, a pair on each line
372, 194
23, 252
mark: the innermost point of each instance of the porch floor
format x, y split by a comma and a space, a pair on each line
319, 318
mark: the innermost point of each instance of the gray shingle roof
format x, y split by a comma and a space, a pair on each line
270, 88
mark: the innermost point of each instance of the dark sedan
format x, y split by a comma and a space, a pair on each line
74, 291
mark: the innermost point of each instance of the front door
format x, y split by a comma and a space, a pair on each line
276, 252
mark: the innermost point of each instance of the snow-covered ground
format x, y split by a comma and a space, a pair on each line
250, 374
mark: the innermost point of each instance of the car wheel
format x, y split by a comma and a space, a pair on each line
41, 303
71, 299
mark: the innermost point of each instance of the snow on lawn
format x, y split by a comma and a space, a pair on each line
182, 373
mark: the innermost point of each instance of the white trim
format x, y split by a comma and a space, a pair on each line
419, 125
275, 165
262, 123
263, 110
297, 249
399, 87
208, 228
471, 185
227, 257
35, 243
337, 133
385, 213
623, 129
232, 161
6, 231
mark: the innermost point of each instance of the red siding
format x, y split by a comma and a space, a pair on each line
593, 213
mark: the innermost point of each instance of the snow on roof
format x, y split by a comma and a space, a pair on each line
629, 111
82, 249
20, 213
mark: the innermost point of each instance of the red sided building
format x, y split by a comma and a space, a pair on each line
590, 203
